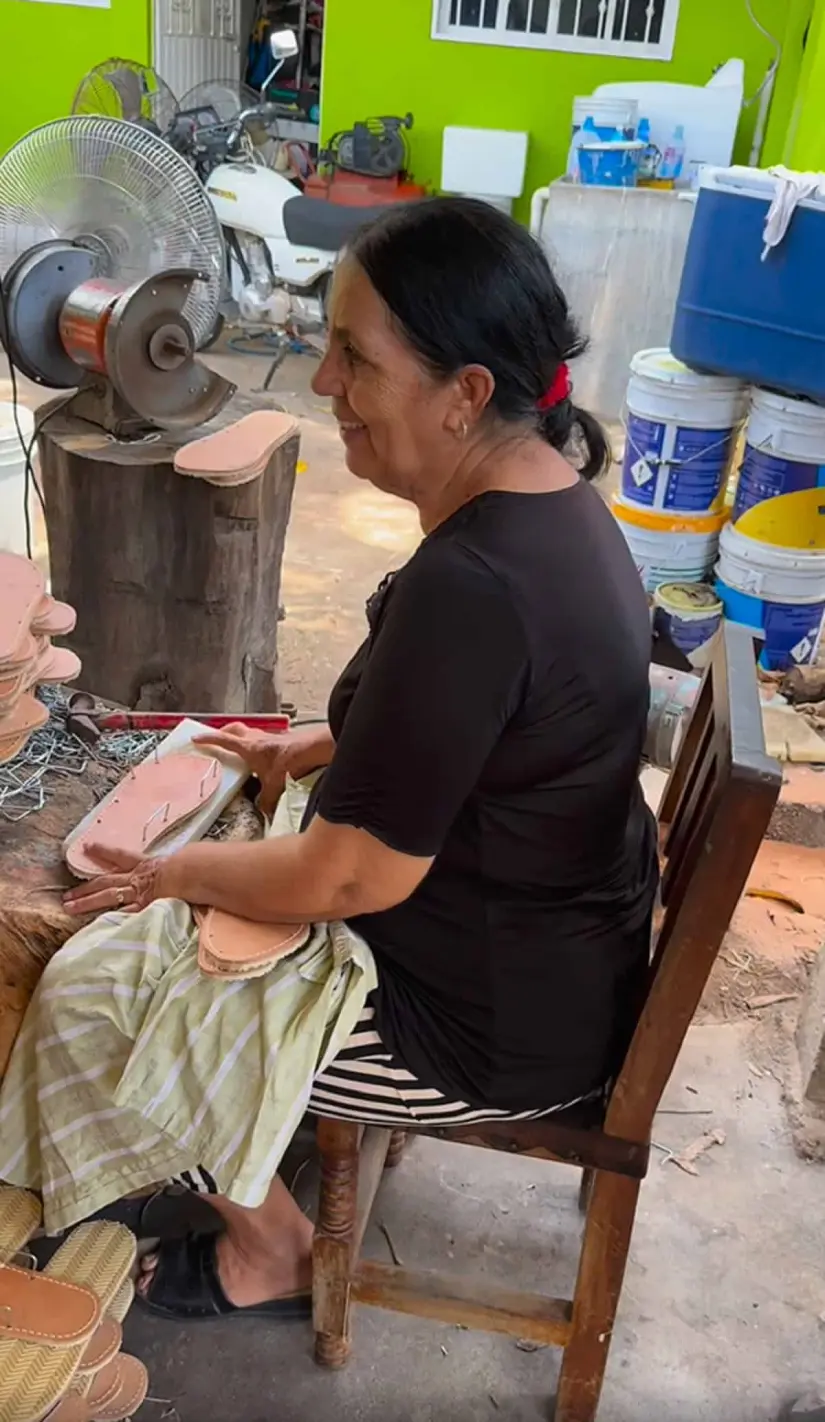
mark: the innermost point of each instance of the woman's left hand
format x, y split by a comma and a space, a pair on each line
128, 883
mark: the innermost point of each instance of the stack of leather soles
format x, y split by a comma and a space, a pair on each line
238, 453
60, 1328
29, 618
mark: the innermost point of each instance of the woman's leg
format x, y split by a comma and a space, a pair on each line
264, 1254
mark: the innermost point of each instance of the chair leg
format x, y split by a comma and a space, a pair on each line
399, 1140
586, 1190
605, 1246
332, 1261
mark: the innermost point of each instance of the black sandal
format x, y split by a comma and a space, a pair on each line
185, 1287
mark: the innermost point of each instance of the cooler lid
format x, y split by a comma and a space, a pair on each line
753, 182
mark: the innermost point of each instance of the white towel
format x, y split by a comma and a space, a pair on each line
791, 189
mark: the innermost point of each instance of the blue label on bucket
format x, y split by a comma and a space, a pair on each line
677, 468
791, 634
766, 476
686, 633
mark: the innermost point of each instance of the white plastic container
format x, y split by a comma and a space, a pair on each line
689, 614
668, 548
784, 450
681, 433
13, 476
488, 163
780, 592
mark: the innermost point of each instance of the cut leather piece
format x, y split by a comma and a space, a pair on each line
20, 1217
150, 801
37, 1309
12, 687
55, 664
131, 1394
10, 748
22, 587
238, 453
104, 1387
53, 619
233, 947
26, 715
104, 1345
20, 657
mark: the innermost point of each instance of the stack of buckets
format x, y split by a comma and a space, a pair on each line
682, 432
771, 569
768, 552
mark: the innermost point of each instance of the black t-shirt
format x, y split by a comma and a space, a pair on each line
494, 719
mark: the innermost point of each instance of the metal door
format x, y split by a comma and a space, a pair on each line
195, 40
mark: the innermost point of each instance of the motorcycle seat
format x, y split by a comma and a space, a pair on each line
309, 222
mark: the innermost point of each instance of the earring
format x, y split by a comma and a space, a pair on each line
461, 432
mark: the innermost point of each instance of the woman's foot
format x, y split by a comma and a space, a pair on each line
264, 1253
253, 1271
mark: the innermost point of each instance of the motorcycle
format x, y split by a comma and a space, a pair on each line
281, 246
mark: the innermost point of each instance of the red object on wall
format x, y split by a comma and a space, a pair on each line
356, 190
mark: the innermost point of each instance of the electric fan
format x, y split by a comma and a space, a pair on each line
219, 102
112, 262
126, 89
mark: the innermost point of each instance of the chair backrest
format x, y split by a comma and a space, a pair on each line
714, 813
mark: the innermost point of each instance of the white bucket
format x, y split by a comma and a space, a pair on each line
784, 450
681, 433
668, 548
12, 476
689, 614
778, 591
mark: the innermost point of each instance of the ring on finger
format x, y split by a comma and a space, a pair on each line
120, 897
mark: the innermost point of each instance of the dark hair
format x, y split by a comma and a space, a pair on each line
468, 286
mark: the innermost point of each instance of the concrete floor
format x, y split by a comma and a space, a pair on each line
723, 1314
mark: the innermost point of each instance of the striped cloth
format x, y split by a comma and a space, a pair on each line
133, 1067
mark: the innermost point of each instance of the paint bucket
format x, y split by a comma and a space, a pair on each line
690, 615
778, 591
784, 450
668, 547
13, 476
610, 165
681, 434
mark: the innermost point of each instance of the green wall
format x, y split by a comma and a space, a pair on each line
379, 58
805, 146
46, 50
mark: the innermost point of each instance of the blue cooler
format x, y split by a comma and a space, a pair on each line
760, 321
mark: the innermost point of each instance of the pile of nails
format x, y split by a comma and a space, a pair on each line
29, 618
60, 1327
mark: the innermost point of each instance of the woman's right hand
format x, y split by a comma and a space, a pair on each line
272, 757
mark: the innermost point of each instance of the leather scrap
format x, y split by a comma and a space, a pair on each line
238, 453
232, 947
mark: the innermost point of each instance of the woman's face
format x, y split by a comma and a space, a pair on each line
398, 424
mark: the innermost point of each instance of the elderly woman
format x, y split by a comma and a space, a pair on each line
478, 822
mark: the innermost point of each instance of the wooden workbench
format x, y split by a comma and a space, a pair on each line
33, 924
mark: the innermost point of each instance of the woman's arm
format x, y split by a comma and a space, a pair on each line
272, 758
329, 872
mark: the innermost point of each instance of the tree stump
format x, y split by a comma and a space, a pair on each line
176, 581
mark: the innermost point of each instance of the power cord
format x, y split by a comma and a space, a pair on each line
29, 477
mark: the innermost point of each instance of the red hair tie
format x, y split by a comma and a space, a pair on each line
559, 390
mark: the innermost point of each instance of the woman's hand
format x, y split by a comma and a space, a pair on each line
272, 758
128, 883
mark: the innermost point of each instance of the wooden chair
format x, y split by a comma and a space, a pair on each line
714, 814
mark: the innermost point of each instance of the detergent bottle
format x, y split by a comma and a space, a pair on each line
673, 158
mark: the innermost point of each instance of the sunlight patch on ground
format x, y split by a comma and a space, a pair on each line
380, 521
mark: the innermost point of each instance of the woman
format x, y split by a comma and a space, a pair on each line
479, 821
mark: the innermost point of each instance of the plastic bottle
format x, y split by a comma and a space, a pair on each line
673, 158
648, 161
588, 133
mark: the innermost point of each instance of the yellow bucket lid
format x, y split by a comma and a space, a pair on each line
665, 520
788, 521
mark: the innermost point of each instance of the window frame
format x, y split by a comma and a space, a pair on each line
554, 42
